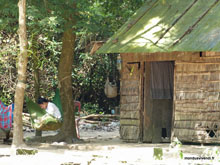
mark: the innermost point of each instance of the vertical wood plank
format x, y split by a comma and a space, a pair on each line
148, 128
174, 102
157, 110
142, 100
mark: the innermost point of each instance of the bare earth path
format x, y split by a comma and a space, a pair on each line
103, 146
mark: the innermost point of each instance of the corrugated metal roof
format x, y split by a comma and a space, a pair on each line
176, 25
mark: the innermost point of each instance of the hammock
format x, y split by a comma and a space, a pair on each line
6, 116
40, 119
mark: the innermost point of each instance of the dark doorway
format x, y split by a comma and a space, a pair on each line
158, 101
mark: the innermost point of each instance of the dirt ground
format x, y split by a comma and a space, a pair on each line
103, 146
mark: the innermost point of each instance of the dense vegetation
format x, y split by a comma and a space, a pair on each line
97, 20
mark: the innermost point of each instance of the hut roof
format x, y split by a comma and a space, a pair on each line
169, 25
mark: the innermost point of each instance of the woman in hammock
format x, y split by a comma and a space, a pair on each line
50, 108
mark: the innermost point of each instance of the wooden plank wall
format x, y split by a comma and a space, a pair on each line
131, 91
172, 56
196, 116
197, 100
130, 102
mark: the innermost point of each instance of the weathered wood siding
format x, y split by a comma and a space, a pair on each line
130, 101
197, 101
196, 116
172, 56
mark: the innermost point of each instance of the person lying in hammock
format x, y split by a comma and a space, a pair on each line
50, 108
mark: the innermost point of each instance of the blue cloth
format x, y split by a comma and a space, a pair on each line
6, 115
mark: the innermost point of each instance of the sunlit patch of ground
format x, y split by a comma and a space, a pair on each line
105, 147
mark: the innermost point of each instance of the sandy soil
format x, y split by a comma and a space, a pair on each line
102, 147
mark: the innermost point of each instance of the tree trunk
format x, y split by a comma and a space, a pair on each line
68, 130
36, 75
22, 67
36, 87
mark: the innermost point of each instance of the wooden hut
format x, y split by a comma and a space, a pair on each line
170, 77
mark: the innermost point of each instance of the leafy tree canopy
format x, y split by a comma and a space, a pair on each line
95, 20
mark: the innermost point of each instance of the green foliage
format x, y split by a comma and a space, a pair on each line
95, 20
158, 153
89, 76
91, 108
181, 154
9, 16
26, 151
176, 145
115, 13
